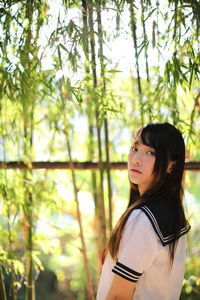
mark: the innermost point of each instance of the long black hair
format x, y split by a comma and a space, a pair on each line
169, 147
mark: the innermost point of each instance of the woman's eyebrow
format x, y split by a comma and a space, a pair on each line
135, 143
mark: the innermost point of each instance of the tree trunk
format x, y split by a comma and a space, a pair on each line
173, 90
196, 107
13, 278
85, 35
103, 89
28, 207
89, 281
158, 32
2, 286
146, 59
28, 108
133, 29
100, 210
89, 109
145, 38
7, 205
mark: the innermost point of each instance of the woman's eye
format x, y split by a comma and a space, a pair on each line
133, 149
151, 153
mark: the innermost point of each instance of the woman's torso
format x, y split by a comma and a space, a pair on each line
157, 280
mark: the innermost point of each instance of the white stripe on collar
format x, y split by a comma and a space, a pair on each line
165, 240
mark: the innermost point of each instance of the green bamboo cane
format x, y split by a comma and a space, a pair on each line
134, 36
103, 83
101, 223
2, 286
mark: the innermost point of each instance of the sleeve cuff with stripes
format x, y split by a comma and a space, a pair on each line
126, 272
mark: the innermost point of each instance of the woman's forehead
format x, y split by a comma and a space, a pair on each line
137, 142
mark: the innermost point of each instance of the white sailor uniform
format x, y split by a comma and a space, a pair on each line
144, 256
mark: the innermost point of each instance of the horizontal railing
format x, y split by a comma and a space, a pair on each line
191, 166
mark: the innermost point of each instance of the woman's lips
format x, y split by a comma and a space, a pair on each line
135, 171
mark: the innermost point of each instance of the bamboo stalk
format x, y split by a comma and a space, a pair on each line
146, 58
175, 23
88, 276
133, 30
145, 38
158, 32
92, 45
174, 89
13, 279
28, 108
94, 175
2, 286
100, 210
108, 174
28, 224
90, 112
103, 82
90, 117
85, 34
196, 105
5, 196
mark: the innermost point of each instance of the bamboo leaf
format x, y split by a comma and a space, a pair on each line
142, 46
167, 72
37, 261
150, 14
191, 75
117, 21
146, 47
113, 71
59, 56
63, 47
154, 34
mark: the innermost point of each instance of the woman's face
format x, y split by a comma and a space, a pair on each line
141, 160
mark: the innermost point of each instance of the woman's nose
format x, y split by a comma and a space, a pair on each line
137, 159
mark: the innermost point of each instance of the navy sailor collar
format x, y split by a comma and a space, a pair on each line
160, 216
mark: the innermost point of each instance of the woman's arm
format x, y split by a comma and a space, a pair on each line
121, 289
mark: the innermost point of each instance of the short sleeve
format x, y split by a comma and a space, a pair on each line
138, 247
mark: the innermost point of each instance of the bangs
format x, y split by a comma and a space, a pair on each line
146, 136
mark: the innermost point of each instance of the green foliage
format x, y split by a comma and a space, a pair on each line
191, 284
47, 91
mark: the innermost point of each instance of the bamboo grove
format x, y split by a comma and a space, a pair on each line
59, 75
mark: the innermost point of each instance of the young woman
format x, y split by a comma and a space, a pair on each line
145, 255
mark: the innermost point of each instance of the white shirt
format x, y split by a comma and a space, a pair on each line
143, 259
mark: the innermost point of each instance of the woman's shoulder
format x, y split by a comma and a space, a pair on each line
138, 217
139, 228
161, 217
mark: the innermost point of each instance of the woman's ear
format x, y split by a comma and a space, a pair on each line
170, 166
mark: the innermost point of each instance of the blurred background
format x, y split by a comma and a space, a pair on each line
77, 78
